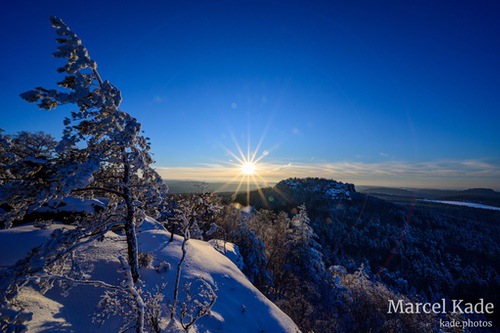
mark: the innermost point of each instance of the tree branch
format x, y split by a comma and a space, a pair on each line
99, 188
98, 77
95, 283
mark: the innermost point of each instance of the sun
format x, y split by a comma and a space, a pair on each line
248, 168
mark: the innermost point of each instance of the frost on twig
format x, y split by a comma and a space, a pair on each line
199, 298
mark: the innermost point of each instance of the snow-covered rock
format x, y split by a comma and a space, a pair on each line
316, 187
239, 307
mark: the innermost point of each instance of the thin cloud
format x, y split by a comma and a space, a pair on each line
282, 167
445, 174
158, 99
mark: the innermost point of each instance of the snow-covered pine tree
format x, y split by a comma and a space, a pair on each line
102, 151
306, 259
253, 251
301, 273
276, 241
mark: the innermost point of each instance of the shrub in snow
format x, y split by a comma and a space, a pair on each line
200, 210
155, 308
163, 267
145, 259
214, 229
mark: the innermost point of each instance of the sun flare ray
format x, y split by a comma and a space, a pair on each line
242, 155
247, 165
240, 160
261, 194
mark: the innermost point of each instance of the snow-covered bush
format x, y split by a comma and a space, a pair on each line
27, 168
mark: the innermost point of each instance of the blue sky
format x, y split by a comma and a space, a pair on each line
397, 93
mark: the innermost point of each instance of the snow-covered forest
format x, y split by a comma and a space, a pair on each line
92, 241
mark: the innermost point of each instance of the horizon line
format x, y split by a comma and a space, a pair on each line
271, 184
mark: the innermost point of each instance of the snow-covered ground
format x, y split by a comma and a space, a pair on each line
239, 307
461, 203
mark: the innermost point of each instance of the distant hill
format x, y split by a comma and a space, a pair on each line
483, 196
379, 191
476, 195
316, 193
193, 186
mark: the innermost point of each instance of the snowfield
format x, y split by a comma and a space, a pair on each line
239, 307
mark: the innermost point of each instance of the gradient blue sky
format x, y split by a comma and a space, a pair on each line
397, 93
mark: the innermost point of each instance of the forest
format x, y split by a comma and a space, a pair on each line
423, 251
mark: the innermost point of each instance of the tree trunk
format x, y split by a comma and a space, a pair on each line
130, 232
178, 278
187, 226
172, 229
139, 302
132, 246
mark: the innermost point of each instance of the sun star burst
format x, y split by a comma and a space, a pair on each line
248, 168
